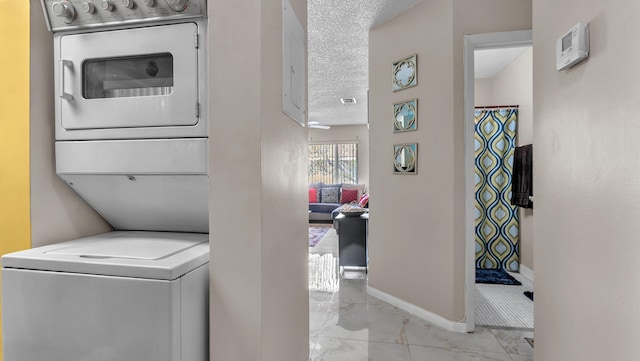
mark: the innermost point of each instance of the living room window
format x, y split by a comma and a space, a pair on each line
333, 163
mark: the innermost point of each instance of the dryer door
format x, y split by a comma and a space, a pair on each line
146, 77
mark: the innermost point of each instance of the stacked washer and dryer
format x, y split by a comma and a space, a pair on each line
131, 139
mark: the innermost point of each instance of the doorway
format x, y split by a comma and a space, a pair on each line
472, 44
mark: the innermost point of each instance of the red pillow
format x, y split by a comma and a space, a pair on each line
364, 200
349, 195
313, 195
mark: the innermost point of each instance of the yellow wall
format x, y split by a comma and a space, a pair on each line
14, 126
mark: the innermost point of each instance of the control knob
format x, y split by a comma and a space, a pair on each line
88, 8
149, 3
177, 5
129, 4
64, 9
106, 5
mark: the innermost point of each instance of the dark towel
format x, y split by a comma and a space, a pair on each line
529, 295
522, 186
495, 276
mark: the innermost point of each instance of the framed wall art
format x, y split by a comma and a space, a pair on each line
405, 116
405, 73
405, 158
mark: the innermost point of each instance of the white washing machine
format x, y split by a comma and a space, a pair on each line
139, 296
132, 140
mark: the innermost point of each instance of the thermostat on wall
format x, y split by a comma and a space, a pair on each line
572, 47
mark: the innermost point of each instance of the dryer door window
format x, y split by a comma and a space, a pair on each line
132, 76
135, 78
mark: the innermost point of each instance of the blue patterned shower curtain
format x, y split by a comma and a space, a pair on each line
497, 225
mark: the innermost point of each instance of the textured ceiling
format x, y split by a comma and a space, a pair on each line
338, 32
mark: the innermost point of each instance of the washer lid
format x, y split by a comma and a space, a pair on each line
125, 247
155, 255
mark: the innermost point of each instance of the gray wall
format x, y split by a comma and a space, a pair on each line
258, 190
417, 241
586, 178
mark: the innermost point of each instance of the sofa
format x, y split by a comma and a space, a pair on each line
325, 199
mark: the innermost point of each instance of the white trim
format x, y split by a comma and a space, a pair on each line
471, 43
470, 253
418, 311
526, 272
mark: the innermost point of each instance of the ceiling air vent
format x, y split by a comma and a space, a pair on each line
348, 100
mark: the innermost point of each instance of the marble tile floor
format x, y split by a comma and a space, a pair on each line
347, 324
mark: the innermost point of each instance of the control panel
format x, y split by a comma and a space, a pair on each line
82, 14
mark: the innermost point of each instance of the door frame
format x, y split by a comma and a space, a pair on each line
471, 44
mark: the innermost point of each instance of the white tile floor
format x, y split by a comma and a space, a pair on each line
347, 324
505, 306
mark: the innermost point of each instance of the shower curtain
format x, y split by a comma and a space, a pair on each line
497, 226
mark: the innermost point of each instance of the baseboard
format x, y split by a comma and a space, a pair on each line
527, 272
437, 320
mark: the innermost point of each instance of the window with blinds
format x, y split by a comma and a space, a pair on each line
333, 163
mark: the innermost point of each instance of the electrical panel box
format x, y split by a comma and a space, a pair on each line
294, 65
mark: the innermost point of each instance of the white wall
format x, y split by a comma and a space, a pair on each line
258, 190
586, 178
514, 86
359, 133
417, 242
483, 91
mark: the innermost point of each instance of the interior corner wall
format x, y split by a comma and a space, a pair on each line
57, 212
514, 86
587, 186
417, 250
337, 133
258, 190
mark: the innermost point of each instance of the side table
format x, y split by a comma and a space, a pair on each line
352, 240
